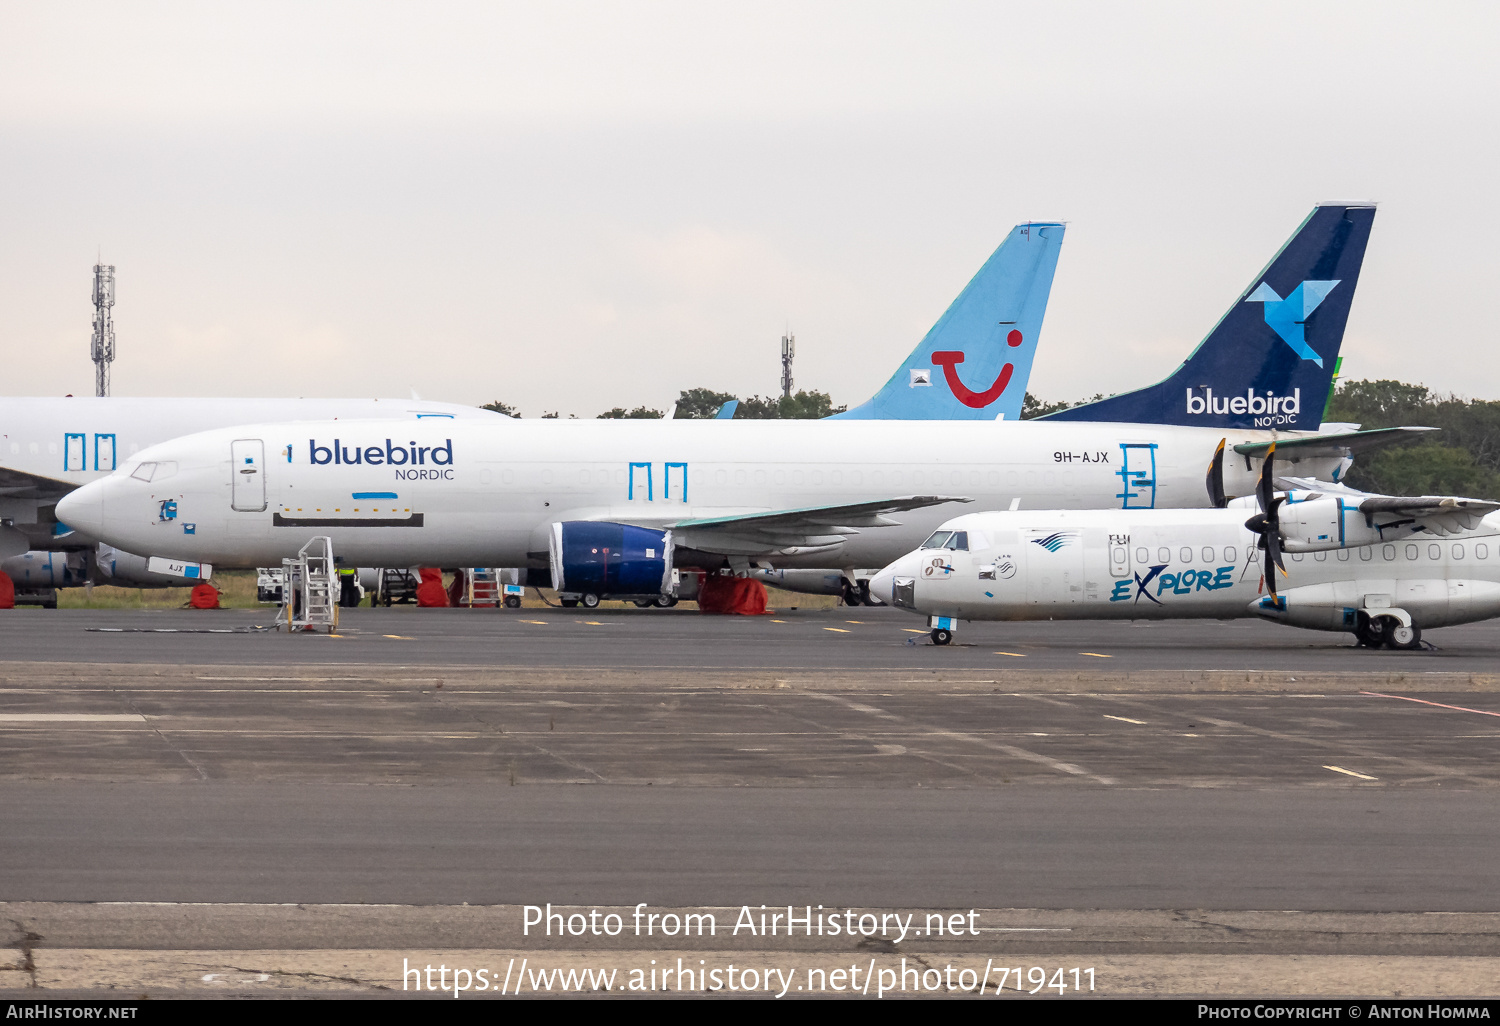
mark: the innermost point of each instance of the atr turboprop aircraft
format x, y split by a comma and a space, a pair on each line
1380, 567
48, 447
610, 505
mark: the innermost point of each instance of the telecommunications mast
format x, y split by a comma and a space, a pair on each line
788, 350
103, 349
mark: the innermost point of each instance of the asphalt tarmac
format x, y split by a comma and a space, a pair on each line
858, 638
428, 759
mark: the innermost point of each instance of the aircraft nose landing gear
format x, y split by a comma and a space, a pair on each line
941, 636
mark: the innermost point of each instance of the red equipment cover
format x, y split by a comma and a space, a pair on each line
431, 593
738, 595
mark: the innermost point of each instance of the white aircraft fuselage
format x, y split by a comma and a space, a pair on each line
463, 493
1186, 564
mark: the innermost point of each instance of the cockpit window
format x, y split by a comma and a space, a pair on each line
938, 540
154, 471
958, 540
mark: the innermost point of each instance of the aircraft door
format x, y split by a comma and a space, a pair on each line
1137, 475
1054, 567
1119, 555
75, 451
247, 458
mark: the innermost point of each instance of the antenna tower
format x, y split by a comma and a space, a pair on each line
788, 350
103, 348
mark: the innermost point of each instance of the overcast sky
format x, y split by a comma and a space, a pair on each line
577, 206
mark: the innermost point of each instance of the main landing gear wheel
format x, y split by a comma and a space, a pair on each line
1399, 636
589, 600
941, 636
512, 602
568, 603
665, 601
1371, 630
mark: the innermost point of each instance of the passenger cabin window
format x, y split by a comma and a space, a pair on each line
1164, 555
1230, 555
1297, 556
1187, 554
1458, 550
1321, 557
1343, 555
1411, 551
1387, 552
1435, 551
1366, 553
1481, 551
1142, 556
1208, 554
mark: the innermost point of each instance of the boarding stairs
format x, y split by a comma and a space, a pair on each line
482, 587
310, 594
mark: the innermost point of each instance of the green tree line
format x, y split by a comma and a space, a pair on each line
704, 403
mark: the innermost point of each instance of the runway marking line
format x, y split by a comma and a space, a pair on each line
72, 718
542, 622
912, 630
838, 630
1125, 719
854, 621
1018, 655
398, 637
1097, 655
1350, 773
1440, 705
778, 621
593, 623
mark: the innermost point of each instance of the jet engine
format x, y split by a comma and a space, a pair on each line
591, 561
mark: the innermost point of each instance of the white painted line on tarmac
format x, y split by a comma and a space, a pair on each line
1350, 773
1125, 719
1440, 705
1096, 655
72, 718
974, 739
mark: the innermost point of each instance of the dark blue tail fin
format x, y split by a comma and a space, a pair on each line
1271, 358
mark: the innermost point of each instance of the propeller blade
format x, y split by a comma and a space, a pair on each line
1264, 487
1216, 497
1273, 551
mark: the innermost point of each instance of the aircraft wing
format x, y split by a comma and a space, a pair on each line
795, 531
17, 484
1345, 443
1437, 514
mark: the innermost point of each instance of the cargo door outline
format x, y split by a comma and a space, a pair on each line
75, 451
104, 451
666, 479
247, 459
1054, 573
1137, 475
630, 488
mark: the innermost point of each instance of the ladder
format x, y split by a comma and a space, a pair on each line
482, 587
310, 593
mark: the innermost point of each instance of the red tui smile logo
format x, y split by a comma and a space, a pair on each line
949, 359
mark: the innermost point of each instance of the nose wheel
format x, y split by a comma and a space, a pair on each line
941, 635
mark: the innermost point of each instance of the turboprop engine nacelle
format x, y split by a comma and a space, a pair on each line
1330, 522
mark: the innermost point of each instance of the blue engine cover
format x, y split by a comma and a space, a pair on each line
610, 559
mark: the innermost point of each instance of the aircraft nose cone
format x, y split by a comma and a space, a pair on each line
883, 583
83, 510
